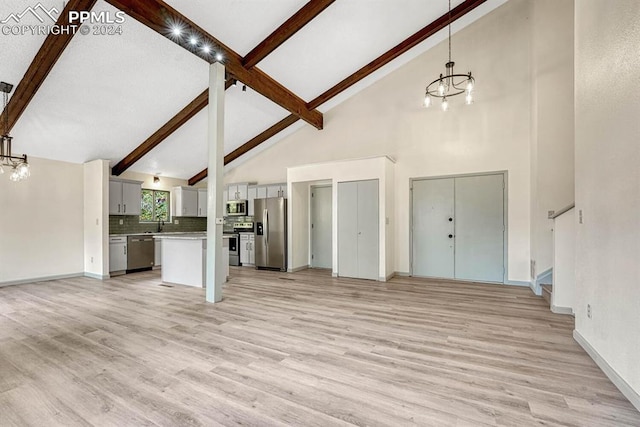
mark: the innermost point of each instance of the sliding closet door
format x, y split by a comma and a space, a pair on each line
433, 228
479, 217
348, 229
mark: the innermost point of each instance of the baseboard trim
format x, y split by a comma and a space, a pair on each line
611, 373
96, 276
386, 279
536, 288
334, 274
402, 273
294, 270
561, 310
40, 279
517, 283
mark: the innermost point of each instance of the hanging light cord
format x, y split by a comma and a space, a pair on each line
449, 30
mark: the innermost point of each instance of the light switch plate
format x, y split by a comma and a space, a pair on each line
176, 222
121, 222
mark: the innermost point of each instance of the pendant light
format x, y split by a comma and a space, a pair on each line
17, 165
450, 84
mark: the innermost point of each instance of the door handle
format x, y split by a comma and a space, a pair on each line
125, 208
451, 236
118, 207
450, 219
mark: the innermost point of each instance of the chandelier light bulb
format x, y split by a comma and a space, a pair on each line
24, 171
441, 89
1, 170
469, 86
427, 101
469, 98
445, 104
15, 175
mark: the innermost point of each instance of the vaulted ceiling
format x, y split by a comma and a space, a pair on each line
108, 94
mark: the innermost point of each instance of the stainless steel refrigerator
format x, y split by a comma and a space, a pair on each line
270, 218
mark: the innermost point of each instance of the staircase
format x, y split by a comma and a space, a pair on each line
546, 293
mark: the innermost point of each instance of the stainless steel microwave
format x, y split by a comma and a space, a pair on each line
236, 208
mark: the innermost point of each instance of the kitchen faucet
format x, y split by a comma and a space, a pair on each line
160, 225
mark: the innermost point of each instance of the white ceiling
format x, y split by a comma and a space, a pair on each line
107, 94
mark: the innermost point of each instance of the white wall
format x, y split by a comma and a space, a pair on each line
564, 259
96, 218
607, 129
552, 147
42, 220
349, 170
494, 134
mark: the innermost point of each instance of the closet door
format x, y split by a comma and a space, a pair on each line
479, 222
321, 225
358, 222
348, 229
433, 219
368, 215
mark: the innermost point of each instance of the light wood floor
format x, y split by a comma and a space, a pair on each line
294, 349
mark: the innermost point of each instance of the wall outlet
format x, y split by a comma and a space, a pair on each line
176, 222
121, 222
91, 260
580, 220
589, 311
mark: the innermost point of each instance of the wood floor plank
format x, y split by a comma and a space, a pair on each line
299, 348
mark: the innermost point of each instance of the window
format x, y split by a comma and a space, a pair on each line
155, 206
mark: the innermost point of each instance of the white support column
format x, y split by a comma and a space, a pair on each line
216, 266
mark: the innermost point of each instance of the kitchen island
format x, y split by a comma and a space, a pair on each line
184, 258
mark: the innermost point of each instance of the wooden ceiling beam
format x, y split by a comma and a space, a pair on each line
291, 26
193, 108
426, 32
159, 16
42, 64
249, 145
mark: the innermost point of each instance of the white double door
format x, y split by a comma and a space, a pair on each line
458, 228
358, 243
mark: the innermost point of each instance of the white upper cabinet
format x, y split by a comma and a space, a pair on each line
251, 196
277, 190
261, 192
185, 201
125, 197
202, 202
238, 191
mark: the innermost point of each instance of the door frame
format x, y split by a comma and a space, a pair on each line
505, 204
311, 188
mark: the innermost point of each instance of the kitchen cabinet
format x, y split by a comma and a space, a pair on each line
125, 197
261, 192
117, 255
202, 202
277, 190
247, 249
238, 191
185, 201
157, 262
252, 194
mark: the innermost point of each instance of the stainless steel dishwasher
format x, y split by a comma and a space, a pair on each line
140, 252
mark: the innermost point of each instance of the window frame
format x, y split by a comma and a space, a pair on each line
154, 216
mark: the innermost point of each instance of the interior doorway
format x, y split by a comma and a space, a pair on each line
459, 227
321, 226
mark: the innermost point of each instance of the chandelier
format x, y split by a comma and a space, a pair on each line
450, 84
17, 165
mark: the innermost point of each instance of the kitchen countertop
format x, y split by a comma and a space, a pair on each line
162, 233
185, 236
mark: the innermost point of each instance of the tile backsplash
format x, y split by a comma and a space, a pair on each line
132, 225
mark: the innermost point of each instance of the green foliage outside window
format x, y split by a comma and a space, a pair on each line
155, 206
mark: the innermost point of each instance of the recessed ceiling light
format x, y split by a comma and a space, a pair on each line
176, 31
206, 48
219, 57
193, 40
